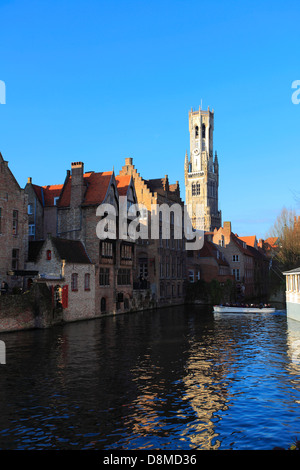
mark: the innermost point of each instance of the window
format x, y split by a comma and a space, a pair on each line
235, 258
15, 259
193, 189
167, 267
203, 131
106, 249
87, 281
236, 273
197, 189
15, 222
178, 268
123, 277
173, 267
126, 252
55, 200
196, 132
161, 269
191, 276
104, 277
74, 282
48, 255
30, 209
31, 229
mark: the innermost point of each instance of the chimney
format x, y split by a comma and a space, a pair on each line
227, 228
128, 161
29, 180
77, 184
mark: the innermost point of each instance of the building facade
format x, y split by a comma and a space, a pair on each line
201, 172
292, 279
13, 228
77, 219
42, 209
238, 256
65, 267
161, 261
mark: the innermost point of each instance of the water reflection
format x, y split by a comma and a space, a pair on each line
178, 378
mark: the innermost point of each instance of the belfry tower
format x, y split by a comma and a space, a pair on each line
201, 172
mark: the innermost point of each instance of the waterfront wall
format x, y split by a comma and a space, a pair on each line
32, 309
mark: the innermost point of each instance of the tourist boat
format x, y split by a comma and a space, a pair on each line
242, 309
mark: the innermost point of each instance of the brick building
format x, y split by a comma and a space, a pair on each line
238, 256
13, 228
160, 263
208, 263
261, 281
81, 195
42, 209
67, 270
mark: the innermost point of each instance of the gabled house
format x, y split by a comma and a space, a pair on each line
238, 256
161, 262
42, 209
13, 228
261, 263
208, 263
81, 195
67, 270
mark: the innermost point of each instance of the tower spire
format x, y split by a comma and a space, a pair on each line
202, 171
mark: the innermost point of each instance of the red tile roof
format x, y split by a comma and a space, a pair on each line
250, 240
210, 250
239, 243
272, 241
96, 188
46, 194
123, 183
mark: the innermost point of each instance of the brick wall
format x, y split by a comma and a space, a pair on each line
12, 198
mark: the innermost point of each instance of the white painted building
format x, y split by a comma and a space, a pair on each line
293, 293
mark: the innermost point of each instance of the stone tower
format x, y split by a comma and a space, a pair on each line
201, 172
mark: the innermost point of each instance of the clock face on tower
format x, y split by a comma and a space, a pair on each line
195, 151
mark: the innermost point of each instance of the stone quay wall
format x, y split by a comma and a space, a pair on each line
30, 310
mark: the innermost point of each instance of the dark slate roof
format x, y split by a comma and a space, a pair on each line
34, 248
72, 251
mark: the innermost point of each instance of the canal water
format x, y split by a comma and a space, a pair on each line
172, 379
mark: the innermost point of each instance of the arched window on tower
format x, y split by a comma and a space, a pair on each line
203, 131
196, 132
197, 189
193, 189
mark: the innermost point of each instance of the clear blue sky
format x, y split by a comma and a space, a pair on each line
98, 81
